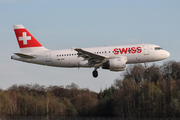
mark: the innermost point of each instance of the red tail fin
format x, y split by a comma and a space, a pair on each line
26, 40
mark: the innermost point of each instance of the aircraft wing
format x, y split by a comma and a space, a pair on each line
91, 57
24, 55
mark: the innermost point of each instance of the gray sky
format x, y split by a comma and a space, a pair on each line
59, 24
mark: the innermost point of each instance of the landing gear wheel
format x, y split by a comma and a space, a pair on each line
95, 73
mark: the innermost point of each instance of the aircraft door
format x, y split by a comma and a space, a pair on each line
146, 50
48, 56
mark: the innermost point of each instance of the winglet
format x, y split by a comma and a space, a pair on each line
72, 48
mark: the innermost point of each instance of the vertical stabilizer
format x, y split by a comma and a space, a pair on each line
26, 41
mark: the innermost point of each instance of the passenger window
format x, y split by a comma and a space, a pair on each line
57, 55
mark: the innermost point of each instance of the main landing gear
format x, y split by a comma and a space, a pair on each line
95, 73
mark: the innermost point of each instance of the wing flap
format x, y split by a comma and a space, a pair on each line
24, 55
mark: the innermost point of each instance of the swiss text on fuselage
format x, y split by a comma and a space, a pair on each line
131, 50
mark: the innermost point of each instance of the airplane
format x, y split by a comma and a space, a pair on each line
113, 58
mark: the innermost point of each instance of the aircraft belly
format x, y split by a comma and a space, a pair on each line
131, 58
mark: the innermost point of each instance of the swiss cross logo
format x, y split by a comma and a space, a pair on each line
24, 38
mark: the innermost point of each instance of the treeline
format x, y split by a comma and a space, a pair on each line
36, 100
155, 94
136, 94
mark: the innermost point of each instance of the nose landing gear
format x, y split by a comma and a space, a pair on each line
146, 66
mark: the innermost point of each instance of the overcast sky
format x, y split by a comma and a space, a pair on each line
60, 24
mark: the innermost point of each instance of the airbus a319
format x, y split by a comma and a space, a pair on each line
113, 58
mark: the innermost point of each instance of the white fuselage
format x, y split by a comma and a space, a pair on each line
138, 53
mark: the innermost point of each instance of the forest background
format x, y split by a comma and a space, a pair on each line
138, 94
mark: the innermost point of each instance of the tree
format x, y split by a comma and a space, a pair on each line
134, 72
171, 69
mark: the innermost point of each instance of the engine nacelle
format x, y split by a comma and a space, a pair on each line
116, 64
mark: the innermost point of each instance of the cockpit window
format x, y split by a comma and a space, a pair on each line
158, 48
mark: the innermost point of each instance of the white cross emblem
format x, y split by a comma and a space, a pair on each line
24, 38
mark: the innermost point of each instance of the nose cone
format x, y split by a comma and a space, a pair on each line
161, 55
167, 54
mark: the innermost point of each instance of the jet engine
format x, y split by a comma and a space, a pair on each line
116, 64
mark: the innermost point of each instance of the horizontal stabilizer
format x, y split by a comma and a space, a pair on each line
25, 55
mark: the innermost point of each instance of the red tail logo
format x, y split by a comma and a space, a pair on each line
24, 38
